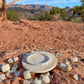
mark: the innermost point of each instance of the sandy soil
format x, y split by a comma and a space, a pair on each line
52, 36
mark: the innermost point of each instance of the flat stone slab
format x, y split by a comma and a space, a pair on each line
39, 62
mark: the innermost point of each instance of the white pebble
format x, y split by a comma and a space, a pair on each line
75, 77
75, 59
65, 67
57, 54
68, 68
37, 81
45, 79
32, 51
10, 60
27, 82
27, 74
5, 68
68, 62
15, 59
2, 77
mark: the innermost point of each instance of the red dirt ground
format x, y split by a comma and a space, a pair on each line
51, 36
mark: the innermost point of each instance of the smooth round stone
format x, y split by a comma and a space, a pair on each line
15, 59
75, 77
37, 81
5, 68
16, 73
45, 79
10, 60
27, 74
39, 62
75, 59
27, 82
2, 76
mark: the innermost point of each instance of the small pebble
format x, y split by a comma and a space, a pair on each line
68, 62
16, 73
75, 77
68, 68
15, 67
65, 67
61, 54
5, 68
75, 59
45, 79
62, 65
37, 81
15, 59
57, 54
27, 74
27, 82
37, 49
2, 77
10, 60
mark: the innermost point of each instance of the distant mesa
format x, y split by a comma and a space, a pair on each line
33, 6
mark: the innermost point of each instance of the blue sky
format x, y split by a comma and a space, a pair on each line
56, 3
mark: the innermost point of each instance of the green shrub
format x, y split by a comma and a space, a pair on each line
12, 15
54, 14
45, 16
82, 16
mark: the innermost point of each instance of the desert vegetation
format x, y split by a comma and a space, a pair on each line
75, 14
12, 15
4, 7
57, 13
